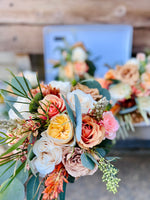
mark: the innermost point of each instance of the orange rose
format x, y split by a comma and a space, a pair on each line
104, 83
110, 74
80, 68
92, 133
52, 104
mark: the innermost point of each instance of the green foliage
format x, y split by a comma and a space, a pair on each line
91, 66
100, 152
62, 194
33, 188
15, 191
94, 84
71, 179
78, 118
109, 175
87, 161
35, 103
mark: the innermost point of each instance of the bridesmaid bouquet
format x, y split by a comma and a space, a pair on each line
56, 134
74, 63
129, 86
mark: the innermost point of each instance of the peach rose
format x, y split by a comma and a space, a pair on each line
68, 69
72, 161
52, 104
80, 68
111, 125
145, 78
127, 74
141, 56
103, 82
92, 133
110, 74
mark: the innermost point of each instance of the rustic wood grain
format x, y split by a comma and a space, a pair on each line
29, 39
41, 12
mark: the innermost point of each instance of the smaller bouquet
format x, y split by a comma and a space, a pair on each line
129, 86
57, 133
74, 63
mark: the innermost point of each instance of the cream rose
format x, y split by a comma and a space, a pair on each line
72, 161
144, 103
23, 108
47, 155
79, 54
86, 100
32, 77
64, 87
120, 91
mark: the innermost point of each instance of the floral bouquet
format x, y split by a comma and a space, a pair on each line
56, 134
74, 63
129, 86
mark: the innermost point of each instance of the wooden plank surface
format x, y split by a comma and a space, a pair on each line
29, 39
42, 12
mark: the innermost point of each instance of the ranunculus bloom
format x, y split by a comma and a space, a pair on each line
94, 92
127, 74
86, 100
60, 130
80, 68
111, 125
47, 155
72, 161
52, 104
92, 133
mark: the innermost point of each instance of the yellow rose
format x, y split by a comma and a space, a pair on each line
61, 130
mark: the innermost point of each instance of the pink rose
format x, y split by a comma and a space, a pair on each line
141, 56
72, 161
52, 104
80, 68
111, 125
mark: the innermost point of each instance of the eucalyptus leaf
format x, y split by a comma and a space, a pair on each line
94, 84
110, 159
87, 162
70, 112
62, 194
14, 191
100, 151
128, 110
32, 186
71, 179
15, 110
78, 118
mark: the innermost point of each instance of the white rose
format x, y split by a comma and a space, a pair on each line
120, 91
144, 103
78, 54
32, 78
133, 61
23, 109
86, 100
64, 87
47, 156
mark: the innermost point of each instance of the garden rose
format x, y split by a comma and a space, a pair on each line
80, 68
94, 92
64, 87
103, 82
52, 104
86, 100
148, 68
111, 125
60, 130
92, 133
47, 155
127, 74
72, 161
141, 56
120, 91
23, 108
79, 54
144, 103
145, 78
